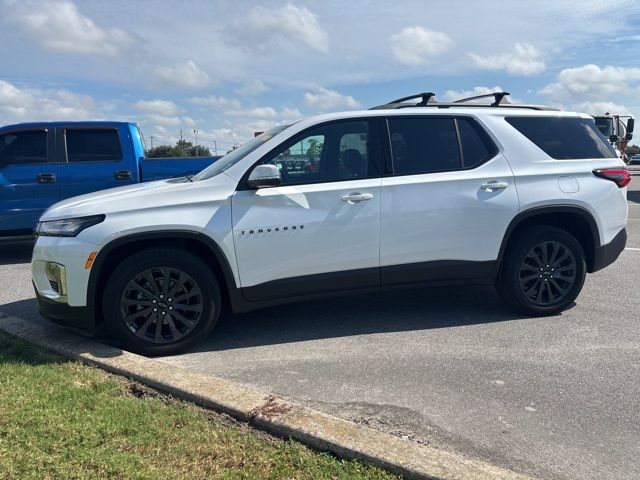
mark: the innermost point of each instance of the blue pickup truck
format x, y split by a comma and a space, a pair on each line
42, 163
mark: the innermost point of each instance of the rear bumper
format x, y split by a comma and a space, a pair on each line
63, 314
607, 254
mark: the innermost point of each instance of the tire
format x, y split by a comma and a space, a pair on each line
534, 286
151, 319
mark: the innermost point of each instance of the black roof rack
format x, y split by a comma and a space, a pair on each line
500, 98
427, 99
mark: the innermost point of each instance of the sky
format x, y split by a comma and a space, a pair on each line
230, 68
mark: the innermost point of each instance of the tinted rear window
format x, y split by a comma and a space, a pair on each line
424, 145
564, 137
477, 147
93, 145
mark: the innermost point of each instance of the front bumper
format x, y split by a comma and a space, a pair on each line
63, 314
62, 291
607, 254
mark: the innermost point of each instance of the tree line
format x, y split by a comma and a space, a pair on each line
182, 148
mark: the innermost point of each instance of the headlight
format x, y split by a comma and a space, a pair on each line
69, 227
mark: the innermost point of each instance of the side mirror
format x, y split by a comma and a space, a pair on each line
628, 136
265, 176
613, 138
630, 124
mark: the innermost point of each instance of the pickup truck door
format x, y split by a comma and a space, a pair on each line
28, 178
94, 158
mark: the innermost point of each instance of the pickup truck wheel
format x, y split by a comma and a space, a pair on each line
161, 301
544, 271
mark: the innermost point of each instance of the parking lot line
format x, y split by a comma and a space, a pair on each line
633, 248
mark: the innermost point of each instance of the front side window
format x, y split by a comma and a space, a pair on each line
328, 153
564, 138
23, 148
93, 145
424, 145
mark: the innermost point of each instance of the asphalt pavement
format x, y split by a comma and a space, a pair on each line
554, 397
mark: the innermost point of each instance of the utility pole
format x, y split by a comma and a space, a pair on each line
215, 148
195, 131
152, 137
181, 144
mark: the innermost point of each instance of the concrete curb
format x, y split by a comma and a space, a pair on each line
283, 418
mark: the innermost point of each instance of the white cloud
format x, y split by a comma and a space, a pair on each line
186, 74
413, 46
60, 26
216, 102
28, 104
453, 95
323, 99
285, 25
523, 60
256, 112
253, 88
591, 82
164, 108
266, 113
600, 108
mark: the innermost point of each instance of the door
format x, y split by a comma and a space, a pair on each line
28, 179
447, 206
319, 230
92, 159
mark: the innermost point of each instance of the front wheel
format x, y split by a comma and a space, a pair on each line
161, 301
544, 271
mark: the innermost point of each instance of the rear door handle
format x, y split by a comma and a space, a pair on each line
46, 178
123, 174
491, 186
357, 197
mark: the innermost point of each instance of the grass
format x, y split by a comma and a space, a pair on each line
60, 419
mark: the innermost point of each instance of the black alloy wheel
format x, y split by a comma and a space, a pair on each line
161, 301
543, 270
161, 305
547, 273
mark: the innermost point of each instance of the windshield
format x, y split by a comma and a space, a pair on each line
234, 156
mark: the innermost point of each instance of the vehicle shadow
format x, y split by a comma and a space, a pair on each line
15, 251
390, 311
385, 312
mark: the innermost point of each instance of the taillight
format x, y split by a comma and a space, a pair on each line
620, 176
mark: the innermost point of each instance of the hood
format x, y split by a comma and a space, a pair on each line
143, 196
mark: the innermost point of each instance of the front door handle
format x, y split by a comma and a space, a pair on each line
123, 174
357, 197
46, 178
492, 186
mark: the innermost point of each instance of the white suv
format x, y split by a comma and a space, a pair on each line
524, 197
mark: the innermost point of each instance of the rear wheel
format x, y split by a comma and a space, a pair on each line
544, 271
161, 301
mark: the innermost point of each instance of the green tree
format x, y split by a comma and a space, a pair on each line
182, 148
633, 150
314, 149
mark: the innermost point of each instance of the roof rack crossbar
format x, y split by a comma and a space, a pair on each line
500, 98
426, 99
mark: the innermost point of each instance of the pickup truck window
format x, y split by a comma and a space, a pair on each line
234, 156
93, 145
23, 147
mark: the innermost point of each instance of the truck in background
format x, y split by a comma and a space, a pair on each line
43, 163
616, 130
